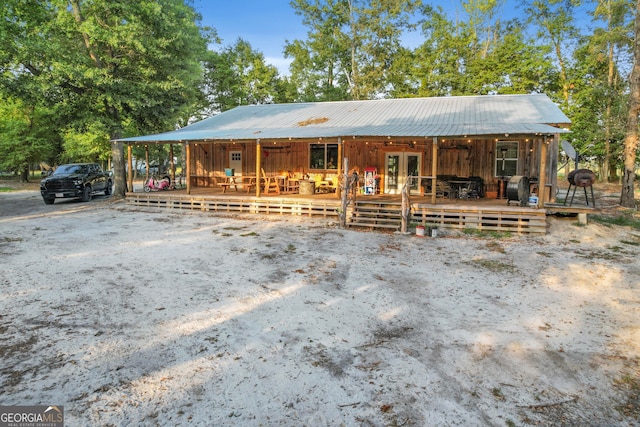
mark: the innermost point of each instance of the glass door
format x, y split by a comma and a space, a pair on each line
399, 166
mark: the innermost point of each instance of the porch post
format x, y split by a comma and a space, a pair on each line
340, 160
258, 167
171, 165
542, 181
434, 169
146, 160
130, 166
553, 166
188, 167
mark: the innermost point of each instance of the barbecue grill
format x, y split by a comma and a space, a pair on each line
581, 178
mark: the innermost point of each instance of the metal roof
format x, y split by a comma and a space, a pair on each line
411, 117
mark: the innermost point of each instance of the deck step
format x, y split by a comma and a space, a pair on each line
373, 225
376, 214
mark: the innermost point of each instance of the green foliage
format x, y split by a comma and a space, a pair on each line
87, 145
101, 68
24, 138
351, 47
480, 56
239, 75
600, 90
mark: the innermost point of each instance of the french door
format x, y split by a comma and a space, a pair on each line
399, 166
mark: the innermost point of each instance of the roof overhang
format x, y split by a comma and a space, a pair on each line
449, 131
464, 116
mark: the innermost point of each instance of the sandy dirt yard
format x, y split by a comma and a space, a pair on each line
128, 317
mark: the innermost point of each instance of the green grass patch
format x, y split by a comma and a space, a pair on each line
629, 385
613, 253
495, 266
495, 246
623, 220
487, 233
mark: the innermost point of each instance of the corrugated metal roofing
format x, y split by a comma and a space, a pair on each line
412, 117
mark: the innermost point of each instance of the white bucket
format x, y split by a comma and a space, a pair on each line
420, 231
434, 232
533, 201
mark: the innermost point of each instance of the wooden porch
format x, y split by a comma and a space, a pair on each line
368, 211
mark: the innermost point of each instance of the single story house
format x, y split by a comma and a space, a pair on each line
490, 137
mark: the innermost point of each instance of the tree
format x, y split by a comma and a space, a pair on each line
610, 41
238, 75
478, 57
555, 21
132, 67
351, 46
24, 139
631, 139
599, 91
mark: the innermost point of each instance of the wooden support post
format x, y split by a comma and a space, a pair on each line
146, 160
258, 166
130, 168
553, 166
172, 165
434, 169
340, 160
542, 180
188, 167
343, 196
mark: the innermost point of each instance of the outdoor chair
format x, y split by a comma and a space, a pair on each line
444, 189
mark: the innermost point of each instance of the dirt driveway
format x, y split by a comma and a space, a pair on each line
129, 316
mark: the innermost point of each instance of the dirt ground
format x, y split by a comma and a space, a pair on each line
130, 316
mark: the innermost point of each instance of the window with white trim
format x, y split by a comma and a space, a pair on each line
506, 158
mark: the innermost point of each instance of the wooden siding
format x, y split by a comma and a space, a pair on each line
459, 157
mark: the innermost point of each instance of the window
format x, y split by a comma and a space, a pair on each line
323, 156
506, 158
236, 156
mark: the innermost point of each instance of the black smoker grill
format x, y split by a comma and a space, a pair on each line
518, 190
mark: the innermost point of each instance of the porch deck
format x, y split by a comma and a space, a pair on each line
381, 211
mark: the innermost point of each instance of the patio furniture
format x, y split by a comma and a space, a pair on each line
462, 187
247, 182
271, 183
444, 189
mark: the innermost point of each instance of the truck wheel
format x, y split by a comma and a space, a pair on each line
108, 189
48, 200
86, 194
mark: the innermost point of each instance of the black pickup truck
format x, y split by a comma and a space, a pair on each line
76, 180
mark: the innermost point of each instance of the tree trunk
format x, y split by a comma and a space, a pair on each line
119, 170
24, 173
631, 139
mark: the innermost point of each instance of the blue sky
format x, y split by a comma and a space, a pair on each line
267, 24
